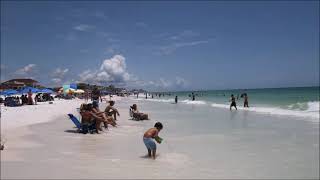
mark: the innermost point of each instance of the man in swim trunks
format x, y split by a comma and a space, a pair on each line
233, 102
148, 139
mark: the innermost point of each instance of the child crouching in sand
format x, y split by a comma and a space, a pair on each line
148, 139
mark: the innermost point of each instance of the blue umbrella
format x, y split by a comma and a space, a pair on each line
49, 91
27, 89
10, 92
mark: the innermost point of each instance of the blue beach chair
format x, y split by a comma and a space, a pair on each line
83, 128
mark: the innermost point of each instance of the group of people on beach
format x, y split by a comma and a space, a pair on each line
91, 113
92, 116
245, 101
27, 99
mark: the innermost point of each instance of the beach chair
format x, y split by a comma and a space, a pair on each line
82, 128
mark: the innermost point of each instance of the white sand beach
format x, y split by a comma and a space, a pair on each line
41, 142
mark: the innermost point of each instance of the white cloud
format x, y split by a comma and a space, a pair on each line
26, 70
83, 27
58, 75
56, 80
180, 82
88, 76
112, 70
173, 47
164, 84
184, 34
116, 68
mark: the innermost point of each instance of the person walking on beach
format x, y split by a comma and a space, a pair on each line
245, 102
176, 99
148, 139
95, 95
233, 102
146, 95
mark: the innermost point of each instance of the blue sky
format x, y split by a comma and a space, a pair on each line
162, 45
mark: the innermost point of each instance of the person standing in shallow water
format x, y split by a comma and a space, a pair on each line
176, 99
245, 102
233, 102
193, 98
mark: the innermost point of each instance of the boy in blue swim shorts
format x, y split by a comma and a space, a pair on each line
148, 139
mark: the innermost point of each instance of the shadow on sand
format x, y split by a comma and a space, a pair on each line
72, 131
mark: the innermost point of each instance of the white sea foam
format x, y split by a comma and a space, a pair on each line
313, 106
194, 102
311, 112
156, 100
300, 109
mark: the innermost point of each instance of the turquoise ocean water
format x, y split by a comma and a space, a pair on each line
299, 101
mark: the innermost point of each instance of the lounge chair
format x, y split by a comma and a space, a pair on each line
82, 128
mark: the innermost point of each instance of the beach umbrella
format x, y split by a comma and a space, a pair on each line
70, 90
73, 86
49, 91
10, 92
27, 89
79, 91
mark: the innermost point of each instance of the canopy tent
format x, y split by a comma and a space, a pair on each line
27, 89
49, 91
